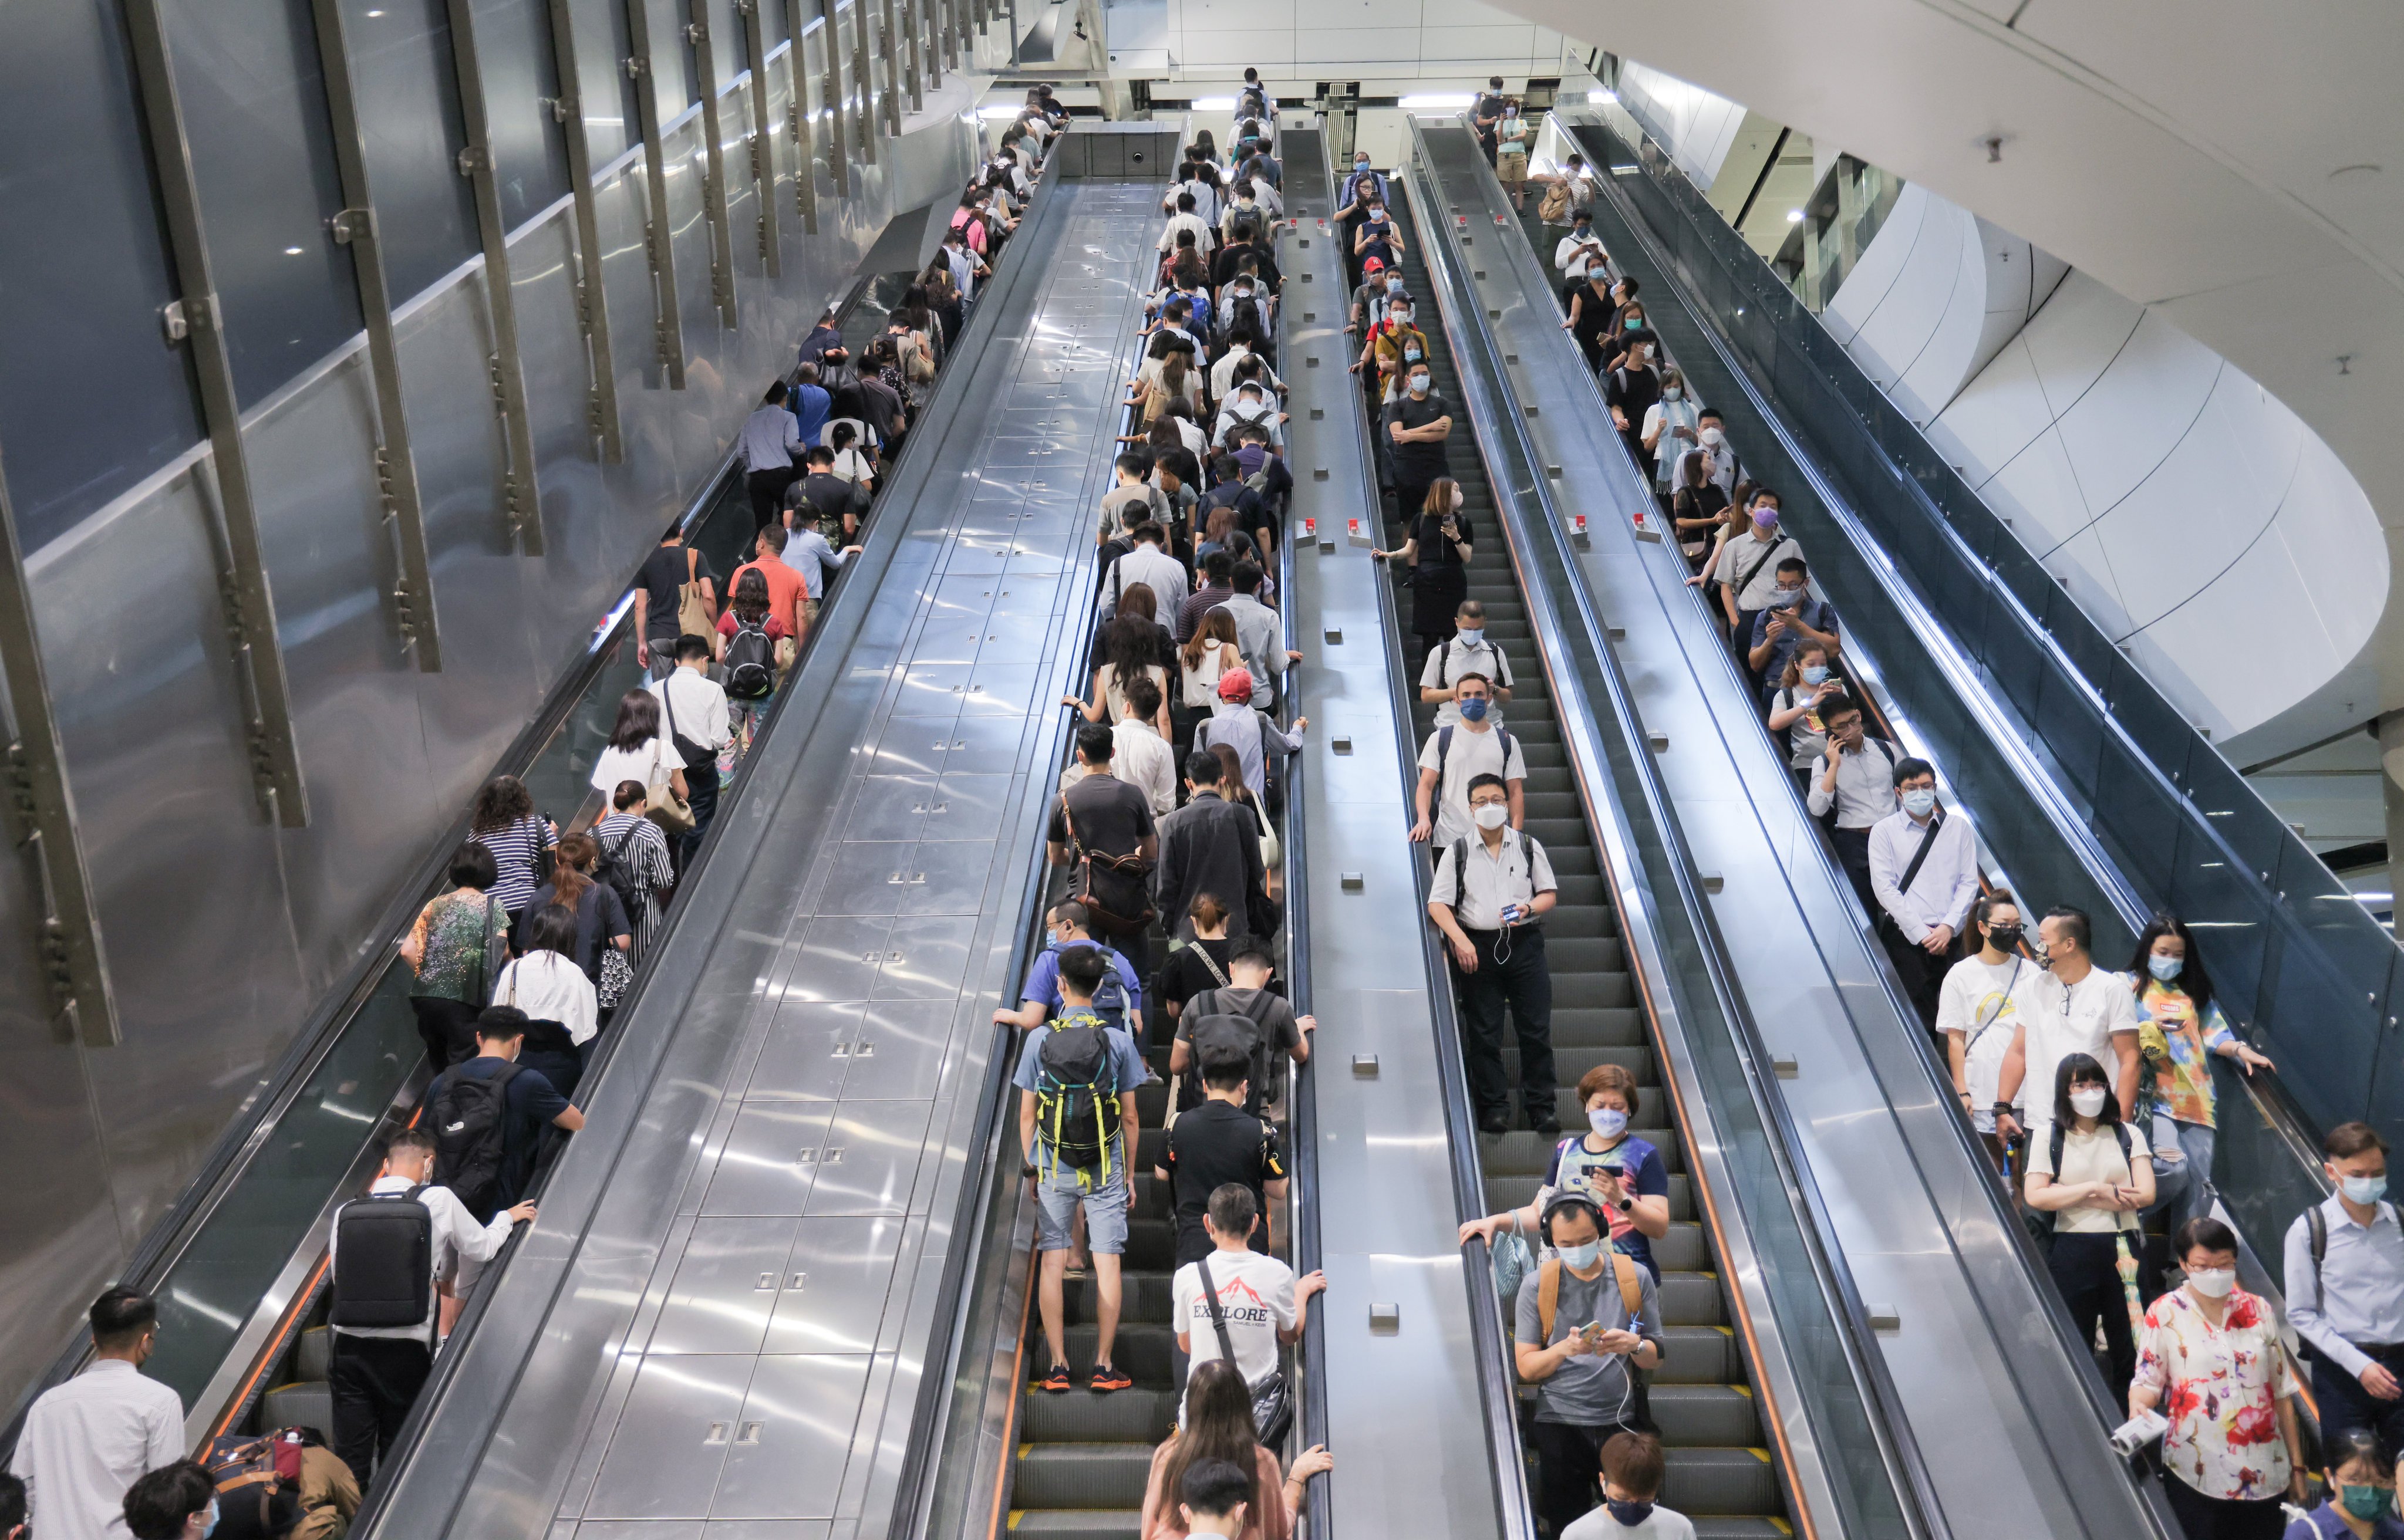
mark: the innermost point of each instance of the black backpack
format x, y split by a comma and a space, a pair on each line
470, 1117
614, 871
1077, 1098
750, 662
384, 1260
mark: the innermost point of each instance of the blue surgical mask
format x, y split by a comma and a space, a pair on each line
1581, 1258
1470, 636
1609, 1122
1815, 675
2363, 1189
1919, 801
1629, 1514
1473, 709
2164, 968
211, 1527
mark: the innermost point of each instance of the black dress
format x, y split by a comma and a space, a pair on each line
1439, 583
1595, 312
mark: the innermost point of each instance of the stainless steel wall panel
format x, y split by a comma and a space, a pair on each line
83, 254
408, 113
770, 1159
520, 81
800, 1062
845, 1267
587, 525
794, 1439
870, 1158
255, 115
673, 1437
726, 1288
601, 48
897, 1049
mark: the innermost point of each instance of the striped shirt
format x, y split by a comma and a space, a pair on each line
646, 849
517, 850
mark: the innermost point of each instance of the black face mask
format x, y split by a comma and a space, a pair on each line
1630, 1514
2004, 937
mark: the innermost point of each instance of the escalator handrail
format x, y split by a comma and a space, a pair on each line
2267, 1095
1497, 1375
447, 1364
1907, 1467
2277, 1107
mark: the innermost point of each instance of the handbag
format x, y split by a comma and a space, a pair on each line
1272, 1398
1272, 853
692, 611
617, 977
662, 806
1129, 869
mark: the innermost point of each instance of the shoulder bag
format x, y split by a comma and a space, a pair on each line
1126, 872
692, 611
662, 806
1272, 1398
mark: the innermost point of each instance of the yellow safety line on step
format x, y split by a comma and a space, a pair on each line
1026, 1449
1762, 1455
1746, 1391
1015, 1515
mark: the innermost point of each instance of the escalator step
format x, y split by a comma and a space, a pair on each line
1593, 988
1694, 1299
1696, 1355
1600, 955
1084, 1523
1732, 1482
1082, 1475
1139, 1415
1707, 1415
1143, 1297
1142, 1350
1571, 1063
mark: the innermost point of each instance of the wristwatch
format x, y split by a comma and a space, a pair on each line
1627, 1205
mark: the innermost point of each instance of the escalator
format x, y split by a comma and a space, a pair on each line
2087, 789
1720, 1471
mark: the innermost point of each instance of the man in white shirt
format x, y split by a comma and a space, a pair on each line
1578, 251
377, 1370
1262, 1302
1468, 652
86, 1441
1186, 219
1455, 755
1150, 565
2073, 1007
1139, 755
1491, 893
1925, 872
1223, 373
1719, 455
769, 444
693, 707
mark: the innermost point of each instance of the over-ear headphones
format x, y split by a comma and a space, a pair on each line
1561, 1201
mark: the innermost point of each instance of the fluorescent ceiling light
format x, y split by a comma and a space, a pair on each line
1436, 102
1794, 217
1214, 104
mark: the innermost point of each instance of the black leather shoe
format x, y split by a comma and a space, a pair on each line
1547, 1124
1496, 1122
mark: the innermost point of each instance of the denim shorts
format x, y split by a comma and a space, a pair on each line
1106, 1212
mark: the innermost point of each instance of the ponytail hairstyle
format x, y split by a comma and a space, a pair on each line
572, 874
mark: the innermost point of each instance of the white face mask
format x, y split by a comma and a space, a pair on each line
1712, 437
2087, 1100
1491, 816
2212, 1282
1581, 1258
1418, 384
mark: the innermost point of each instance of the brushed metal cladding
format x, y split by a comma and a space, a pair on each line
1974, 1352
409, 116
793, 1069
149, 717
520, 81
1387, 1215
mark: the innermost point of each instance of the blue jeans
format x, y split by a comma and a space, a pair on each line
2189, 1194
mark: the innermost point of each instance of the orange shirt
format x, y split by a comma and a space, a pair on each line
786, 589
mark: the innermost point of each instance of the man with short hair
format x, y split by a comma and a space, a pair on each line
1260, 634
787, 588
768, 443
1103, 1189
1261, 1304
2068, 1007
1582, 1352
1236, 722
1856, 778
1211, 845
1362, 175
1455, 755
1924, 873
808, 552
1633, 1470
1105, 826
1469, 652
1133, 468
1068, 923
2344, 1279
1493, 891
693, 713
1719, 455
808, 401
1218, 587
177, 1502
86, 1441
1214, 1143
659, 592
830, 494
1747, 571
1186, 219
1486, 116
529, 1103
1271, 1027
1142, 757
12, 1507
1578, 252
1416, 424
1148, 563
376, 1372
1242, 343
1792, 617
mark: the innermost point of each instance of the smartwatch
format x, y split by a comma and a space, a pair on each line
1627, 1205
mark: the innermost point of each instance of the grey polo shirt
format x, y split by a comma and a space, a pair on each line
1745, 558
1512, 874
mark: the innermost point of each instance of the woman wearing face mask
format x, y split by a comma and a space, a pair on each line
1630, 387
1803, 690
1625, 1173
1591, 310
2093, 1176
1512, 137
2361, 1485
1626, 328
2214, 1366
1974, 1010
1395, 345
1437, 551
2179, 1028
1668, 432
1698, 507
1379, 238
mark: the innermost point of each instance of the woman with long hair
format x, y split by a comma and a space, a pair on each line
2090, 1171
457, 947
504, 821
1218, 1425
1697, 506
1437, 550
1807, 688
562, 1009
1130, 650
1200, 661
602, 924
639, 749
1974, 1011
2180, 1030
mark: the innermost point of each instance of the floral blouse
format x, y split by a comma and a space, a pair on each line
461, 938
2220, 1388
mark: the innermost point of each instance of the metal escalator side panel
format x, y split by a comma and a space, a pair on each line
1921, 1224
559, 1397
1398, 1151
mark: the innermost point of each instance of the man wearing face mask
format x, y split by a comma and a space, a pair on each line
1579, 253
1719, 455
1241, 344
85, 1441
2072, 1007
1856, 778
1378, 286
1747, 571
1632, 1469
1249, 406
1924, 872
1361, 176
1469, 652
2344, 1278
1792, 617
1582, 1320
1491, 897
175, 1502
1486, 116
1417, 424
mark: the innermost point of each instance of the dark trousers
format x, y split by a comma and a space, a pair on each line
1521, 981
701, 791
1853, 854
1410, 498
374, 1381
2344, 1404
767, 487
448, 1029
2223, 1519
1569, 1461
2086, 1268
1922, 973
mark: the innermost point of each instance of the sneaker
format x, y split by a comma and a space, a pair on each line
1057, 1382
1106, 1380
